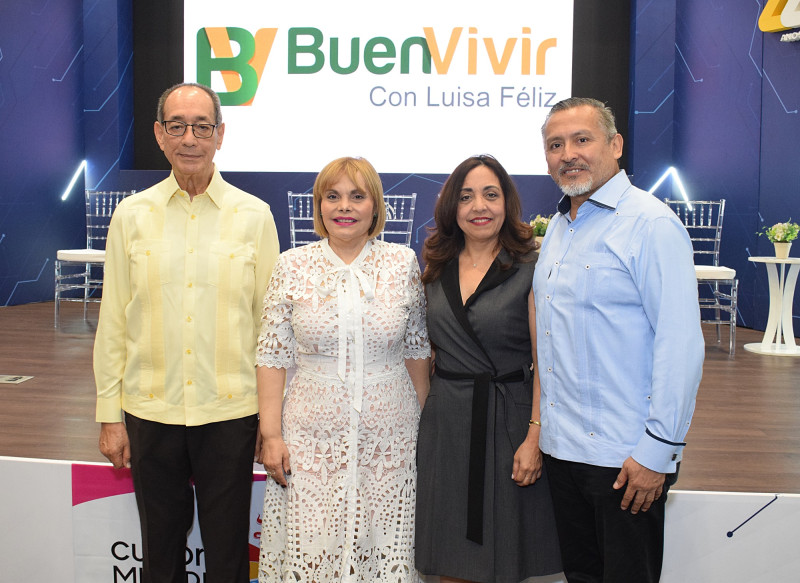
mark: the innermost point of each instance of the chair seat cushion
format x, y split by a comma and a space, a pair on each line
714, 272
82, 255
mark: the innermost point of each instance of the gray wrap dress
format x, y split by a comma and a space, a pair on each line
511, 533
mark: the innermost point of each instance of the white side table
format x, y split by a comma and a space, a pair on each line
779, 335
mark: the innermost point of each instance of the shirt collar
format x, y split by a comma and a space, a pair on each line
215, 189
607, 196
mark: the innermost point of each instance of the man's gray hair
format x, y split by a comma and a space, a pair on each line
606, 116
211, 93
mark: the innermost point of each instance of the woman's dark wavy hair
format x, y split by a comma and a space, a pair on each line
446, 239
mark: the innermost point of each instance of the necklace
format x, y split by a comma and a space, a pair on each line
475, 263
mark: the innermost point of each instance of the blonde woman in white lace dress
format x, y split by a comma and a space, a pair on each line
348, 312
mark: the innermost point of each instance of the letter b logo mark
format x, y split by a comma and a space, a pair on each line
241, 73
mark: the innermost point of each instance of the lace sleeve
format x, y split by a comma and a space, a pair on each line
417, 344
276, 343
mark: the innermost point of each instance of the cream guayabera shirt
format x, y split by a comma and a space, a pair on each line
182, 297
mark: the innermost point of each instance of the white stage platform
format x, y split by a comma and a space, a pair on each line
77, 522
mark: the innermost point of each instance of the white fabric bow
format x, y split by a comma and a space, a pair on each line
351, 281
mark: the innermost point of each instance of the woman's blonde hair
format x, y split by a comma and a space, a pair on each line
356, 169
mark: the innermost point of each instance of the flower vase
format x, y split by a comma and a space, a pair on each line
538, 239
782, 249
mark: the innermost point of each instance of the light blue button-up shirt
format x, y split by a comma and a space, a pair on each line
618, 325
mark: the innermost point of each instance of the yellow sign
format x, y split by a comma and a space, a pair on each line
780, 15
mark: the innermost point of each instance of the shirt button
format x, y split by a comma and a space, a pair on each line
190, 250
194, 217
147, 252
549, 369
188, 351
188, 318
189, 382
231, 255
230, 396
547, 333
547, 297
189, 284
150, 395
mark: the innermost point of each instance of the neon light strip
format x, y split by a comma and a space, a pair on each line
674, 173
72, 182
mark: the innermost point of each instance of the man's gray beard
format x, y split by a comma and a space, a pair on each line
579, 189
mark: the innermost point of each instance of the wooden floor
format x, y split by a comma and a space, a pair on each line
745, 436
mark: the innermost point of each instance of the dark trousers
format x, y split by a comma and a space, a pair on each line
601, 543
218, 457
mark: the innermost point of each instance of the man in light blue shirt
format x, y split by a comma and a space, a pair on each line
620, 351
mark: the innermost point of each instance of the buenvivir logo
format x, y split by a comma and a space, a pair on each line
241, 73
309, 52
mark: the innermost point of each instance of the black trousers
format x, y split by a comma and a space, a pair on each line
601, 543
218, 458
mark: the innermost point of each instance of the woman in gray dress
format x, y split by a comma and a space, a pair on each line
483, 506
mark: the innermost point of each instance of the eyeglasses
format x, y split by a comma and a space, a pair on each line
178, 128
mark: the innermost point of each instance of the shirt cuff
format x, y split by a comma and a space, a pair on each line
109, 410
657, 455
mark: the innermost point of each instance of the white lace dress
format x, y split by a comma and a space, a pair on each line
350, 414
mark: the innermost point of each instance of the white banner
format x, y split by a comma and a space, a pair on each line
106, 528
710, 536
415, 86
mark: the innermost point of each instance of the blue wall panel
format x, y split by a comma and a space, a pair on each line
653, 84
717, 118
41, 121
108, 92
779, 178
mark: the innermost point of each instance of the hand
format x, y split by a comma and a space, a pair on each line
528, 460
114, 444
275, 457
644, 486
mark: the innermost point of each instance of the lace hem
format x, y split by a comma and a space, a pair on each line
418, 354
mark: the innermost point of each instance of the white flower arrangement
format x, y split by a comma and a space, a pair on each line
540, 224
781, 232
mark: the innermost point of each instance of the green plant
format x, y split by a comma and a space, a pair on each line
539, 224
781, 232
